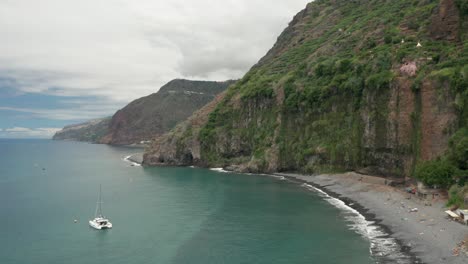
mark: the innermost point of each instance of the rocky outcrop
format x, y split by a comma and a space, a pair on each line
445, 21
91, 131
153, 115
438, 119
181, 147
345, 87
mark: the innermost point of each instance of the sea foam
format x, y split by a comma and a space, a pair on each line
127, 159
219, 170
382, 247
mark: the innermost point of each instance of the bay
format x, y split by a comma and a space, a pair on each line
160, 215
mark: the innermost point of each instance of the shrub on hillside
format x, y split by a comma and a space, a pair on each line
379, 80
462, 6
457, 196
458, 152
438, 173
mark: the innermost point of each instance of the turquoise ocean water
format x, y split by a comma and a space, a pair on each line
160, 215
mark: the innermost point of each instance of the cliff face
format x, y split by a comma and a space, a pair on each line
346, 87
157, 113
91, 131
181, 146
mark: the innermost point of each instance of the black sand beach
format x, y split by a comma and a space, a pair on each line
427, 235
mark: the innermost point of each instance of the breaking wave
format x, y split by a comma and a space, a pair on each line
219, 170
383, 248
127, 159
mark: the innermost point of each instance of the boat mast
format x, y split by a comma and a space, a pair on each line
98, 205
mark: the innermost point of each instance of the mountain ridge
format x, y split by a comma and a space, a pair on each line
90, 131
148, 116
152, 115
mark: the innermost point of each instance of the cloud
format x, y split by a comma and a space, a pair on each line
123, 49
17, 129
23, 132
81, 113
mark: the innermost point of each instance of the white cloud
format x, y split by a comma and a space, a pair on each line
24, 132
79, 113
17, 129
124, 49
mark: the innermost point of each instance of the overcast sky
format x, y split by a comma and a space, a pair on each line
65, 61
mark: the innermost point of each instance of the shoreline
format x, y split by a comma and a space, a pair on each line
426, 236
135, 159
400, 252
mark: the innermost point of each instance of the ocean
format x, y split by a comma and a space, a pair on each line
161, 215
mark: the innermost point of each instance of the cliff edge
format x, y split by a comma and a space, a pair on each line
371, 86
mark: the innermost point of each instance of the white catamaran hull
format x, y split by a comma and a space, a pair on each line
99, 222
99, 226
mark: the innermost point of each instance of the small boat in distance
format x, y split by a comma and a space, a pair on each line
100, 222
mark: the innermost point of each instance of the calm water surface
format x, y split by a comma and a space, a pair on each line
160, 215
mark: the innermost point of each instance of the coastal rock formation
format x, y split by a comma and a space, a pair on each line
91, 131
148, 116
181, 147
445, 21
153, 115
345, 87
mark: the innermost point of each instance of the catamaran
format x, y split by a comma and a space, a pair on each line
99, 221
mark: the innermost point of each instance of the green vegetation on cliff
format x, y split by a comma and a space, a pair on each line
366, 85
331, 80
155, 114
149, 116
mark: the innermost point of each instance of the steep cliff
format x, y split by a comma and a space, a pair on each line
181, 146
91, 131
157, 113
365, 85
